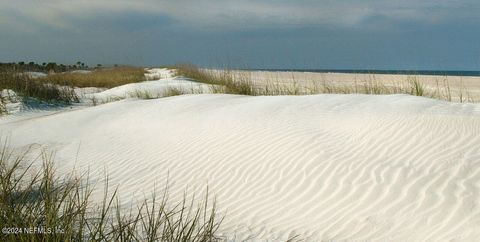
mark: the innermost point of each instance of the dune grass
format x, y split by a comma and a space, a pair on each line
27, 86
417, 87
223, 81
241, 82
168, 92
59, 87
42, 206
107, 78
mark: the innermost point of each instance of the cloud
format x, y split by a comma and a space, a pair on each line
233, 15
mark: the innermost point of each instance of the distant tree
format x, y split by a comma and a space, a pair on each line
51, 67
31, 66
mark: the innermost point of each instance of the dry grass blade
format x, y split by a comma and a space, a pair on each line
27, 86
222, 81
241, 82
61, 209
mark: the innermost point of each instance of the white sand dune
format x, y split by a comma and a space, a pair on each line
158, 73
157, 88
325, 167
159, 82
36, 74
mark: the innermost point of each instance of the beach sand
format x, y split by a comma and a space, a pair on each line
323, 167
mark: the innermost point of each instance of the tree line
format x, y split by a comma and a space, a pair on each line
45, 67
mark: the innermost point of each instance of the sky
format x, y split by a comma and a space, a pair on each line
265, 34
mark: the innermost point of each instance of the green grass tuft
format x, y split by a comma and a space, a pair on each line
417, 87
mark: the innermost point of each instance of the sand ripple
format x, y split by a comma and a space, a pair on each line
326, 167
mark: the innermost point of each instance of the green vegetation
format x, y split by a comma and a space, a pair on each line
241, 82
223, 81
59, 87
107, 77
24, 85
417, 87
168, 92
23, 66
60, 209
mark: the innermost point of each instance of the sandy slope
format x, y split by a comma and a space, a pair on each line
331, 167
159, 82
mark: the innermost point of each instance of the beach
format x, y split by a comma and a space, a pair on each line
325, 167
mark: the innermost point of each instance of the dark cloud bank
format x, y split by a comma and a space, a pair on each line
437, 35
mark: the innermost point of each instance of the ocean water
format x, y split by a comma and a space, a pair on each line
402, 72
